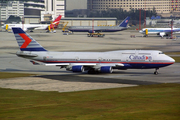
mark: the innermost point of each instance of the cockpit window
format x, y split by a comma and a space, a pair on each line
161, 53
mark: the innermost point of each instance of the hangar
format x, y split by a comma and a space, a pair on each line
89, 21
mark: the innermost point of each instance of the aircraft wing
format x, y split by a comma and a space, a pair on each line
31, 28
86, 64
95, 30
169, 31
73, 64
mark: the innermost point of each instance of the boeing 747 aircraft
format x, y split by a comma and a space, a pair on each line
159, 31
92, 62
31, 27
93, 29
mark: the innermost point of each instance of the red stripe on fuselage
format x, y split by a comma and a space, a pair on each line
27, 40
107, 62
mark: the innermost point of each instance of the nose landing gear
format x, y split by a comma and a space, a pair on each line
156, 71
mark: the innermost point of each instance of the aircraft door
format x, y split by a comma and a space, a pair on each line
76, 59
146, 32
45, 58
100, 59
6, 27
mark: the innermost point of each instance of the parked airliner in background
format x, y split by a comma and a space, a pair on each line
159, 31
96, 29
92, 62
32, 27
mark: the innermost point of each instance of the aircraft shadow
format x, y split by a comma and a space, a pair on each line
85, 33
28, 71
83, 77
77, 78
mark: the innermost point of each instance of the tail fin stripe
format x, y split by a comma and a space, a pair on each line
27, 40
23, 41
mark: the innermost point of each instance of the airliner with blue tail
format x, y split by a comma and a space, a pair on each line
97, 29
92, 62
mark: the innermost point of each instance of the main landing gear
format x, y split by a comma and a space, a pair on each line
95, 35
156, 71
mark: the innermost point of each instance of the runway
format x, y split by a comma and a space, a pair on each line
55, 79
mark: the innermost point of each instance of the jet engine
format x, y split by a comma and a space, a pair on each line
106, 69
162, 34
78, 68
25, 29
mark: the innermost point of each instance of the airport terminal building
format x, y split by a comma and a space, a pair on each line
163, 7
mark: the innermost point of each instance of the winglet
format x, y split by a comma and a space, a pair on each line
25, 41
125, 22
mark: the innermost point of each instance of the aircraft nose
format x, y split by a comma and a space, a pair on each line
171, 60
3, 27
140, 31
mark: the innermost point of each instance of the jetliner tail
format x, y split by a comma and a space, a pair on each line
25, 41
125, 22
56, 22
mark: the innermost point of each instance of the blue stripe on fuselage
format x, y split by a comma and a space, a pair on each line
126, 65
158, 31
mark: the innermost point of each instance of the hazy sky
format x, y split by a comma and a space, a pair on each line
76, 4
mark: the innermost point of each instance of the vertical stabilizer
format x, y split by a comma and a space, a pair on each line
56, 22
25, 41
125, 22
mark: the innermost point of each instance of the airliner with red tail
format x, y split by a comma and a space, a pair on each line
32, 27
92, 62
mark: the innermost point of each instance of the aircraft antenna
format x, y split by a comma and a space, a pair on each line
139, 19
144, 13
171, 28
92, 25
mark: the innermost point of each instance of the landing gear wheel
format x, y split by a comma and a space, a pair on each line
92, 71
156, 71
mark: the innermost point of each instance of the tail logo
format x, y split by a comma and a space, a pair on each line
55, 23
27, 40
126, 21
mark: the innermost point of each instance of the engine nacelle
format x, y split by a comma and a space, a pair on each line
25, 29
79, 68
162, 34
106, 69
91, 31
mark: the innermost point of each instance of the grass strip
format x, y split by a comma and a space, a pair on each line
4, 75
152, 102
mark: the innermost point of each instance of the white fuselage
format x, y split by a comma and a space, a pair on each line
159, 31
130, 59
25, 27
